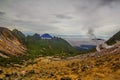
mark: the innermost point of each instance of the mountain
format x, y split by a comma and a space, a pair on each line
10, 44
46, 36
47, 47
14, 43
85, 47
103, 65
36, 36
19, 35
17, 47
114, 38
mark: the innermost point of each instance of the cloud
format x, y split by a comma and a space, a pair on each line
98, 16
62, 16
108, 2
2, 13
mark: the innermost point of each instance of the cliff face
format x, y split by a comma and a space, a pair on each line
9, 44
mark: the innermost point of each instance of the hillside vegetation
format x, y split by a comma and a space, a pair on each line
114, 38
21, 37
48, 47
54, 59
34, 47
106, 67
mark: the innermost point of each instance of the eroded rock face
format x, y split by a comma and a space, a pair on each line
9, 44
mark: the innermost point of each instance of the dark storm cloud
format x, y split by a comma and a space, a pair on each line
61, 16
54, 22
89, 6
2, 13
109, 1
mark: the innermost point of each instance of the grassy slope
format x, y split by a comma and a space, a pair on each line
114, 38
91, 68
55, 46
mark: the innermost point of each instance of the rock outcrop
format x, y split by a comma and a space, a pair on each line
10, 44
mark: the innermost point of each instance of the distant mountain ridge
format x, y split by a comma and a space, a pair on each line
48, 46
46, 36
85, 47
14, 43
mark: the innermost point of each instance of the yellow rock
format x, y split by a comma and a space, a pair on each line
118, 71
95, 69
100, 75
2, 76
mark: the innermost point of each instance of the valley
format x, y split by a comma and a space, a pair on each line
53, 58
106, 67
80, 67
59, 39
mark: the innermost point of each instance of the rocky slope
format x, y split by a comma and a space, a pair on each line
114, 38
103, 66
85, 67
9, 44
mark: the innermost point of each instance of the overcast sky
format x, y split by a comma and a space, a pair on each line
61, 16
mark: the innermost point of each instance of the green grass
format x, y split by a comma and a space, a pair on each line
37, 47
56, 47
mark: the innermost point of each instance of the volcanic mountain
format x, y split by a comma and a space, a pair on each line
10, 44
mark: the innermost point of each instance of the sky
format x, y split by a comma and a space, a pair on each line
70, 17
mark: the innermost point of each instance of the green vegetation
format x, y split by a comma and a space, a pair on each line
114, 38
44, 47
19, 35
36, 47
48, 47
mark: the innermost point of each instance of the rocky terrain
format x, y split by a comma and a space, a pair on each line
9, 44
103, 65
82, 67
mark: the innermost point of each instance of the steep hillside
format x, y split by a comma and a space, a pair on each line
47, 47
19, 35
114, 38
9, 44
